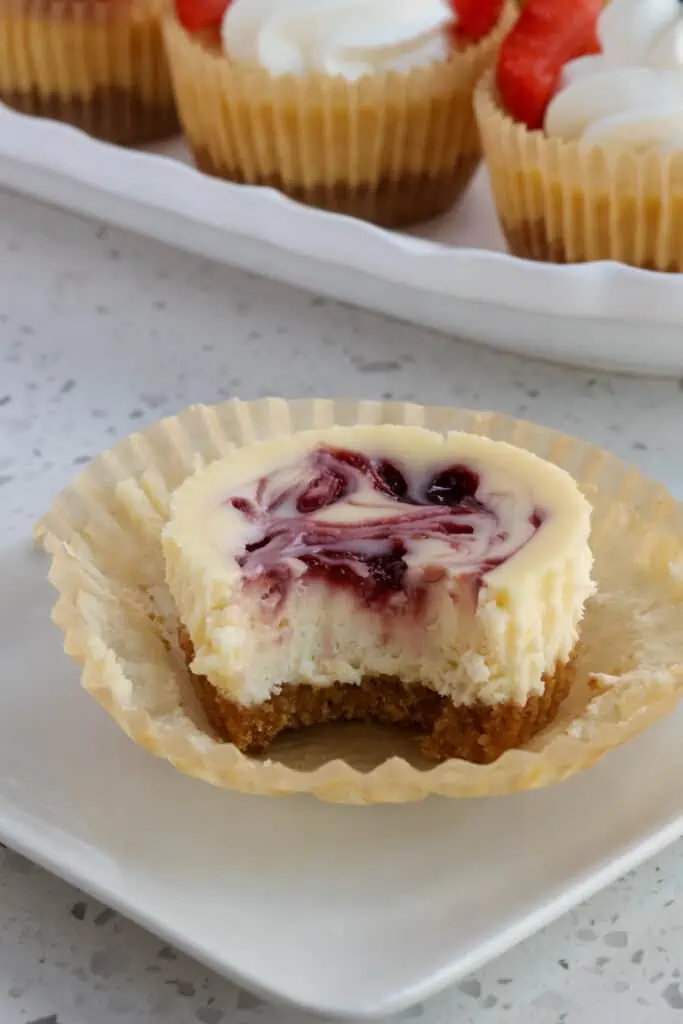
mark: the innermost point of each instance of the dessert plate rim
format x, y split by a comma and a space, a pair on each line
468, 288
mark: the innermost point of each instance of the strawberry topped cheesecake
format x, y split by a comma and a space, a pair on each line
361, 107
581, 123
383, 573
96, 64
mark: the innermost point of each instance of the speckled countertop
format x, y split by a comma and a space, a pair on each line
100, 333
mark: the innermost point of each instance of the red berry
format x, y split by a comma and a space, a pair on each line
547, 35
195, 15
325, 489
476, 18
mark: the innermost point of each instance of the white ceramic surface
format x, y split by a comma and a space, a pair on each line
451, 275
349, 912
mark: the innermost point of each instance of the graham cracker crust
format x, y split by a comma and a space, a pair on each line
112, 114
477, 732
391, 203
531, 241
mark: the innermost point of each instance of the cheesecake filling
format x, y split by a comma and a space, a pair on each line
456, 563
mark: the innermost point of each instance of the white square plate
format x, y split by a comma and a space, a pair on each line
347, 911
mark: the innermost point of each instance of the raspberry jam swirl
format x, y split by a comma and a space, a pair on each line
369, 524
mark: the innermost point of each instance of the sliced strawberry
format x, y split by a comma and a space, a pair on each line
195, 15
547, 35
476, 18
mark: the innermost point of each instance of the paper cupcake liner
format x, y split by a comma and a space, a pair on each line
569, 202
103, 533
97, 64
391, 148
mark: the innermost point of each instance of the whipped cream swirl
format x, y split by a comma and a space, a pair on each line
351, 38
632, 93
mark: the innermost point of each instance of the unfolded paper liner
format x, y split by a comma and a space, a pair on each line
97, 64
392, 148
570, 202
103, 534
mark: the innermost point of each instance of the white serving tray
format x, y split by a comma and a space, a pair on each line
452, 275
351, 912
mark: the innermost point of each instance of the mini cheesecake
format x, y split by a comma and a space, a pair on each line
345, 106
385, 573
99, 65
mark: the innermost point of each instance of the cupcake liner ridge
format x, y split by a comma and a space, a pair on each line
103, 536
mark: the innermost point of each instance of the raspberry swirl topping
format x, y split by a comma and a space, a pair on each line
373, 525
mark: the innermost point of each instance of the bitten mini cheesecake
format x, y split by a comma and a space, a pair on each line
387, 573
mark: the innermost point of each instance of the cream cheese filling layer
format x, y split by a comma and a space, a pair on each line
452, 561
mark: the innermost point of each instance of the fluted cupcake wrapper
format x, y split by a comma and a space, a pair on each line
391, 148
103, 534
97, 64
570, 202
